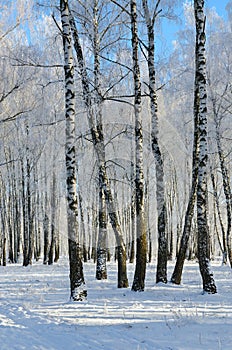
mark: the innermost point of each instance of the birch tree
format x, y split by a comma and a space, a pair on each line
77, 283
141, 240
202, 198
161, 274
101, 271
189, 214
219, 82
98, 143
221, 106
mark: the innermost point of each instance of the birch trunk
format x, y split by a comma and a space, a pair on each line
82, 226
46, 235
46, 220
101, 271
77, 283
4, 258
25, 217
141, 240
10, 208
30, 215
17, 219
161, 274
53, 218
202, 219
133, 228
3, 200
217, 204
177, 273
54, 205
226, 186
97, 138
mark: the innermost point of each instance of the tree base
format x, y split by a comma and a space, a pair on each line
79, 295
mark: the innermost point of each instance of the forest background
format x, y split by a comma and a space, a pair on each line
32, 173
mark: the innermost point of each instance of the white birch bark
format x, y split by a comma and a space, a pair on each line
202, 219
98, 143
177, 273
226, 186
101, 271
141, 252
161, 274
77, 283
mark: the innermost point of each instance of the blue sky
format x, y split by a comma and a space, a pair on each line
169, 28
219, 5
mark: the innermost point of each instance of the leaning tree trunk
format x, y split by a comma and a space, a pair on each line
10, 208
25, 217
77, 283
3, 201
224, 172
161, 273
226, 188
54, 206
30, 215
46, 221
177, 273
101, 270
112, 212
202, 219
53, 217
83, 231
17, 218
141, 240
217, 204
98, 138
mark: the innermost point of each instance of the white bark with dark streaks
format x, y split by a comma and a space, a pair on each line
202, 217
77, 283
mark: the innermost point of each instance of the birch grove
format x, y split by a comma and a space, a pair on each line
113, 148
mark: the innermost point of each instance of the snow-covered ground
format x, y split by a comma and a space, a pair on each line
35, 312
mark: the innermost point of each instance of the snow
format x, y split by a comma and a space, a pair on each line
36, 314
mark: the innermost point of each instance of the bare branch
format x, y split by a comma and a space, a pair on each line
9, 30
56, 23
22, 63
5, 95
156, 13
117, 82
118, 63
13, 117
121, 7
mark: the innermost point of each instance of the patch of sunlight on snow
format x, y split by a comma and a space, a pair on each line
7, 322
